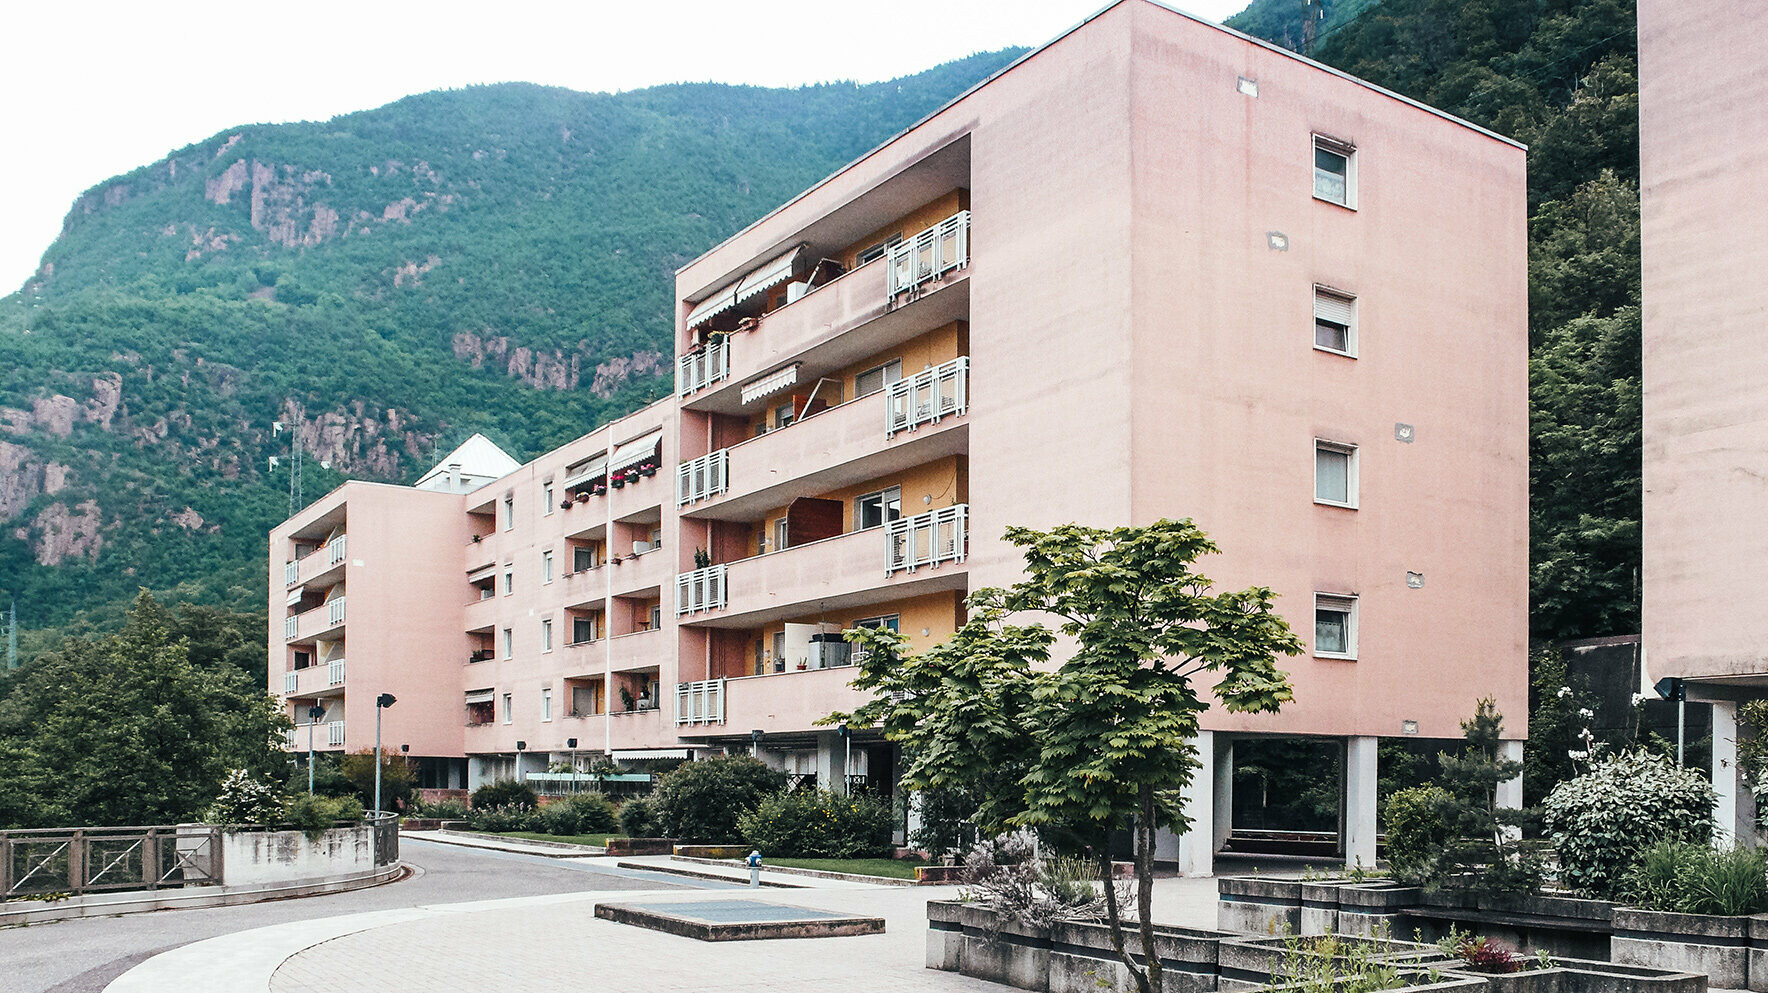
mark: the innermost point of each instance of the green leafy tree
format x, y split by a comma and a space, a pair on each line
398, 778
1104, 738
702, 801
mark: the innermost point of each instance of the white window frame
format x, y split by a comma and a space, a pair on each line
546, 566
546, 498
1344, 150
509, 511
782, 535
885, 378
1346, 604
595, 632
509, 708
878, 251
1352, 464
509, 583
1333, 297
546, 634
546, 705
509, 643
859, 503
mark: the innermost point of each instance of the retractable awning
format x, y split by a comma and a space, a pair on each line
773, 382
589, 470
776, 270
480, 696
295, 595
636, 451
651, 753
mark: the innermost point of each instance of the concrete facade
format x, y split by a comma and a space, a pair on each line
1099, 287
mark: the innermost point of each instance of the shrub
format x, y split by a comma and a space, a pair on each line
1600, 821
244, 800
1484, 955
1007, 876
398, 777
558, 818
818, 824
1690, 878
701, 801
314, 814
509, 817
946, 824
448, 809
595, 815
504, 793
1417, 830
637, 819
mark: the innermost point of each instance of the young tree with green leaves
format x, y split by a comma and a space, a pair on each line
1105, 737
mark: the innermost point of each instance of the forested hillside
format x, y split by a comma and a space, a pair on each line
1562, 76
495, 259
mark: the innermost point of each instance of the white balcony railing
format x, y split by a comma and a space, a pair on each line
335, 550
925, 397
289, 683
926, 539
703, 477
291, 571
700, 703
289, 736
336, 610
929, 255
700, 590
289, 625
701, 369
334, 672
334, 732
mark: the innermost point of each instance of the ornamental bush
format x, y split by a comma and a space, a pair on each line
314, 814
818, 824
637, 819
509, 817
1601, 821
584, 813
244, 800
699, 802
503, 793
1417, 830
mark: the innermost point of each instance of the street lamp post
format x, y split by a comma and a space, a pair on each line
381, 703
314, 713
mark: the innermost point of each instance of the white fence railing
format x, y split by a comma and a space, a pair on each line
926, 539
289, 683
700, 590
929, 255
700, 703
336, 610
334, 672
925, 397
291, 571
701, 369
334, 732
335, 550
289, 625
703, 477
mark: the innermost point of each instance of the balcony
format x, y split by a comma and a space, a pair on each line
334, 673
843, 446
324, 565
789, 701
635, 573
698, 370
910, 557
928, 397
699, 702
928, 255
697, 479
324, 619
481, 614
651, 727
329, 734
637, 651
325, 679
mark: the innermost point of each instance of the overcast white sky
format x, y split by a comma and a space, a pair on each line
93, 88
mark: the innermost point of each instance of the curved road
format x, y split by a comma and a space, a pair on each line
83, 956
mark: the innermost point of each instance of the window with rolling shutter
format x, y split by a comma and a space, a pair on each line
1335, 321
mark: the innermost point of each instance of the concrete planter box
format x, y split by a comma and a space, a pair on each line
1716, 946
1082, 959
1255, 905
1568, 927
642, 846
1374, 908
1443, 984
1073, 957
250, 858
1250, 963
1319, 906
711, 851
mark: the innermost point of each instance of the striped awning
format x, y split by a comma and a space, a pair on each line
773, 382
636, 451
777, 270
480, 696
295, 595
651, 753
594, 467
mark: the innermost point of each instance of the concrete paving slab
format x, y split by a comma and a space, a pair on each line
738, 920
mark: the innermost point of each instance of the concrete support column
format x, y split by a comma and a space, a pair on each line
1725, 779
1360, 771
831, 762
1197, 844
1510, 790
1223, 803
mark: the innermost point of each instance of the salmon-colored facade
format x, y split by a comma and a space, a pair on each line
1153, 269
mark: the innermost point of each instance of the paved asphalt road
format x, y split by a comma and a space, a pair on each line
83, 956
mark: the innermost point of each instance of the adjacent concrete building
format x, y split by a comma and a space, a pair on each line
1153, 269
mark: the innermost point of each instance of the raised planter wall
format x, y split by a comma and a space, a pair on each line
254, 857
1074, 957
1716, 946
1255, 905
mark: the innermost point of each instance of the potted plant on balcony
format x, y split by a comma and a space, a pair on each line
647, 469
702, 559
627, 701
617, 480
566, 504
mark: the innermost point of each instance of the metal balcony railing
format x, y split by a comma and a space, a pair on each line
289, 682
334, 732
929, 255
335, 610
700, 702
926, 539
334, 672
703, 477
291, 571
289, 624
700, 590
927, 396
701, 369
335, 550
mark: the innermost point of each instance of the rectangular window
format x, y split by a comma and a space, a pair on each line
509, 512
782, 415
876, 378
877, 251
546, 499
1335, 322
780, 534
1335, 626
509, 643
586, 700
584, 558
546, 704
875, 509
1335, 474
656, 618
1335, 171
509, 710
891, 621
546, 568
779, 651
583, 629
546, 634
509, 583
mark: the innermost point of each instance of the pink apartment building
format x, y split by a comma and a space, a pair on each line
1701, 93
1153, 269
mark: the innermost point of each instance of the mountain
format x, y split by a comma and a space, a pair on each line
495, 259
1561, 76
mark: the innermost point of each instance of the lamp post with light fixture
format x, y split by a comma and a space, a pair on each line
381, 703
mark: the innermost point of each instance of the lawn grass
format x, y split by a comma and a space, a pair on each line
889, 868
598, 840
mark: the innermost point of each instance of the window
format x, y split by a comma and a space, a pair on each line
509, 583
584, 558
546, 703
586, 700
874, 509
655, 620
761, 540
546, 570
782, 415
509, 710
876, 378
1335, 626
1335, 474
546, 634
780, 534
1335, 322
656, 538
779, 651
1335, 171
509, 643
877, 251
583, 629
891, 621
546, 499
509, 511
303, 660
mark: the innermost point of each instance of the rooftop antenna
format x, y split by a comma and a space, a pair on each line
1314, 11
295, 499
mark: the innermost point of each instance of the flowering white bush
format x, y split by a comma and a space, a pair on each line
1601, 821
244, 800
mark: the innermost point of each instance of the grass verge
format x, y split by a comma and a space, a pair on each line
889, 868
598, 840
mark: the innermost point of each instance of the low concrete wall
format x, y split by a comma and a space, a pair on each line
251, 858
1717, 946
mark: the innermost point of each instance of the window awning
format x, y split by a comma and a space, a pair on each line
776, 270
773, 382
480, 696
651, 753
636, 451
586, 471
295, 595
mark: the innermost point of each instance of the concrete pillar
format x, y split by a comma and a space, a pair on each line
831, 762
1360, 771
1197, 845
1510, 790
1223, 803
1725, 779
